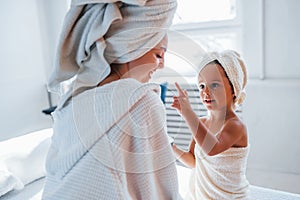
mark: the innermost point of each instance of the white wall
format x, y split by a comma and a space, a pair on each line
271, 48
26, 52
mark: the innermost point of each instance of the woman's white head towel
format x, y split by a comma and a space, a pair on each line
234, 67
97, 33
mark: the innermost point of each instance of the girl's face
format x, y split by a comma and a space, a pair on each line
215, 89
142, 68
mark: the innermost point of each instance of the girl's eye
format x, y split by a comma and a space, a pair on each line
201, 86
214, 85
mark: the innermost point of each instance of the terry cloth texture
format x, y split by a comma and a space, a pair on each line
110, 142
221, 176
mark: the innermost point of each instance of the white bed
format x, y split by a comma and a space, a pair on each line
32, 191
22, 165
26, 165
256, 192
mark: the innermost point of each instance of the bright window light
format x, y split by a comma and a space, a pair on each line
213, 24
195, 11
217, 41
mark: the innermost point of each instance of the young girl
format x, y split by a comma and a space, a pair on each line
219, 147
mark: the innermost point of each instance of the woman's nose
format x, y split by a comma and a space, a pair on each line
162, 61
161, 64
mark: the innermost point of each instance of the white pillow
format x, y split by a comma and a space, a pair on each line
8, 182
22, 159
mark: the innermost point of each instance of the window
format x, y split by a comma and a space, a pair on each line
212, 24
195, 11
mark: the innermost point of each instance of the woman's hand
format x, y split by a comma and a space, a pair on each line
181, 102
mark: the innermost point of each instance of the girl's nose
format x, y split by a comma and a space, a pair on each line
206, 91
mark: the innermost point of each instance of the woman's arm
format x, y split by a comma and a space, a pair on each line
148, 143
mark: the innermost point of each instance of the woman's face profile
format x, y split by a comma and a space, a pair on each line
142, 68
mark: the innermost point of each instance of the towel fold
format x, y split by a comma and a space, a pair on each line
221, 176
97, 33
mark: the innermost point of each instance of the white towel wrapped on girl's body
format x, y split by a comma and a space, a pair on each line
221, 176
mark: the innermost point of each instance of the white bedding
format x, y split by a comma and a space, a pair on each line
22, 160
32, 191
40, 144
261, 193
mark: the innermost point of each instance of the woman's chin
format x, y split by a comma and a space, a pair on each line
147, 78
144, 80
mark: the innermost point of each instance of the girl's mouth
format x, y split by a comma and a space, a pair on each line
208, 101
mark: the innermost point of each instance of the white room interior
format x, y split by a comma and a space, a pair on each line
267, 34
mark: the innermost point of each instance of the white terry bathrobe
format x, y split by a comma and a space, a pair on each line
103, 151
109, 142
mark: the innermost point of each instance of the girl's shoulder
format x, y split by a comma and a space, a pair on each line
234, 119
235, 126
203, 119
235, 123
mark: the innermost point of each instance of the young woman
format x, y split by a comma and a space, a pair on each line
109, 128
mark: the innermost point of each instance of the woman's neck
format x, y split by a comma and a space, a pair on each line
110, 78
117, 72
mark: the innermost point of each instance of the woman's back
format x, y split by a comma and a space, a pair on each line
109, 143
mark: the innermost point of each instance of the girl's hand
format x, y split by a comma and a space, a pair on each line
181, 102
